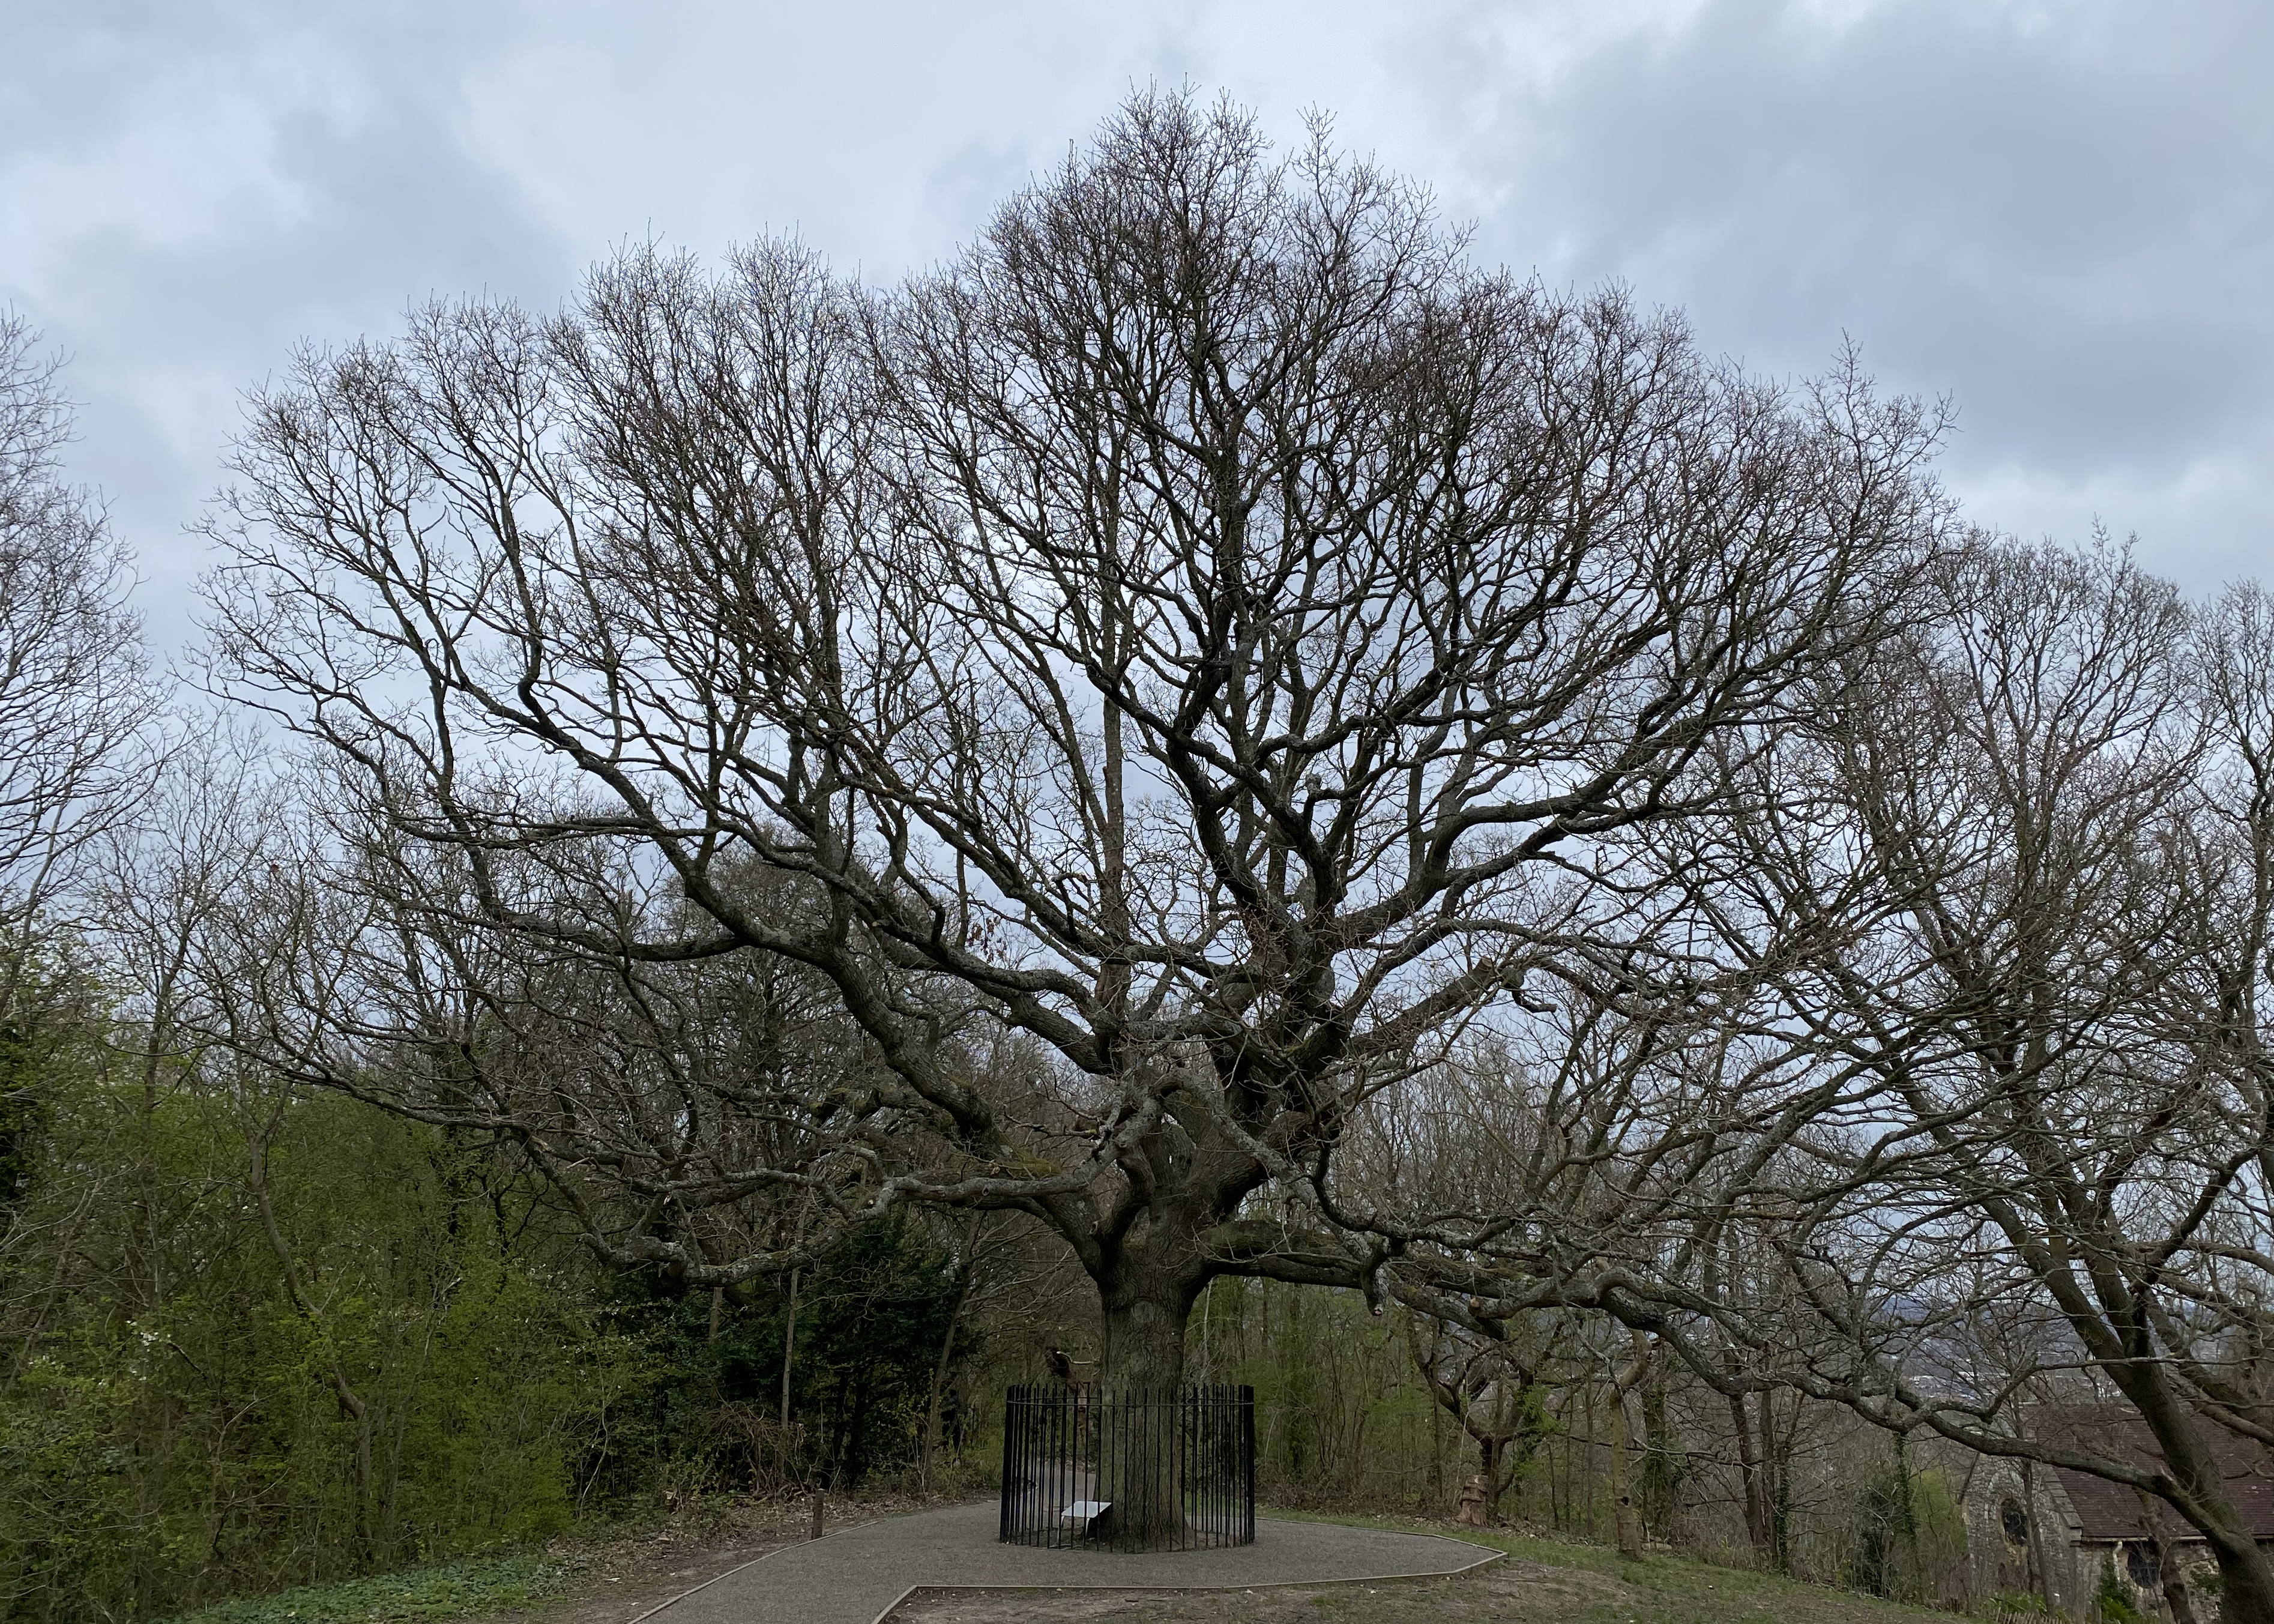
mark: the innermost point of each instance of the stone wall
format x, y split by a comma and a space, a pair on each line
2022, 1536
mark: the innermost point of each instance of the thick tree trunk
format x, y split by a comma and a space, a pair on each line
1660, 1474
1142, 1367
1151, 1247
1144, 1351
1626, 1523
2177, 1596
1776, 1464
2245, 1595
2200, 1495
1623, 1381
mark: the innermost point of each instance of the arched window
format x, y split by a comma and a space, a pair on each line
2015, 1521
2140, 1566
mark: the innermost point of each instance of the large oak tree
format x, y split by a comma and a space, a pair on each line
1168, 672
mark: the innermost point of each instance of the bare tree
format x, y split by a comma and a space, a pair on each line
1208, 640
2021, 885
1492, 1389
74, 696
689, 1115
1626, 1150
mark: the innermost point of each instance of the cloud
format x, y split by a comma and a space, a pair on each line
191, 190
188, 190
2057, 214
2060, 218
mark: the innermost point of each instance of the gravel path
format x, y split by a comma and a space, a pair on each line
860, 1574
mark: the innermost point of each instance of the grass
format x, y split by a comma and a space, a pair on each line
1655, 1588
446, 1592
1545, 1581
1527, 1547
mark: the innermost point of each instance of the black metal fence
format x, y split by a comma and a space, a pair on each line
1129, 1472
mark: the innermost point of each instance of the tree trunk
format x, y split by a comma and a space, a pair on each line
2245, 1596
1141, 1369
2032, 1550
1776, 1476
2200, 1495
947, 1354
1660, 1475
1437, 1454
1748, 1465
1151, 1252
1627, 1524
1779, 1467
1144, 1351
1623, 1381
789, 1351
2175, 1583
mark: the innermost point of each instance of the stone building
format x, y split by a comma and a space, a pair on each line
2047, 1529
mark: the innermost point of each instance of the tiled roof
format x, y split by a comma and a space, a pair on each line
2112, 1510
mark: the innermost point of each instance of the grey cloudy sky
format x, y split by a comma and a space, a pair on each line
2061, 214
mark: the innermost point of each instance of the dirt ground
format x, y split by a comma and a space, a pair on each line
1531, 1593
1512, 1590
617, 1580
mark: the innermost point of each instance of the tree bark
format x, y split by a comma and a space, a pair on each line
1661, 1476
1142, 1370
1146, 1303
1623, 1381
2198, 1492
1777, 1456
948, 1353
1628, 1527
2245, 1595
2174, 1584
1144, 1348
1748, 1465
2032, 1545
789, 1347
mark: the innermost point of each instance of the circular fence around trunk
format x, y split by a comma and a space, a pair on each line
1127, 1471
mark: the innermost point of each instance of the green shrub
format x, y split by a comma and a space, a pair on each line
2113, 1599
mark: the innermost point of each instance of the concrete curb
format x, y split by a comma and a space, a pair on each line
1489, 1557
673, 1601
1485, 1556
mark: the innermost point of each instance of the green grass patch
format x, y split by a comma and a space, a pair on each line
1546, 1552
1677, 1588
446, 1592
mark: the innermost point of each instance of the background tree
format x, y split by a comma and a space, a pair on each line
1492, 1389
2063, 812
74, 699
1999, 921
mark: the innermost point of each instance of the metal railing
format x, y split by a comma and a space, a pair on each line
1129, 1472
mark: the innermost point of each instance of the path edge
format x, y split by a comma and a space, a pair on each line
1487, 1559
673, 1601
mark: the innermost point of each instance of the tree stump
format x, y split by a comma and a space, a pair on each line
1476, 1501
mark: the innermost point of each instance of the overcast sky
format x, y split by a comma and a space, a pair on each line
2059, 214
